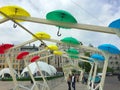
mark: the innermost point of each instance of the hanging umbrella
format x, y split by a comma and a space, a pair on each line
72, 51
73, 56
58, 52
115, 24
97, 57
70, 40
21, 55
42, 35
109, 48
14, 11
35, 58
52, 47
4, 47
2, 51
61, 15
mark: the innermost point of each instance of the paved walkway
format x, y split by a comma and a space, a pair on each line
63, 86
58, 84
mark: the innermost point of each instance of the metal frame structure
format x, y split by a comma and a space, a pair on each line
70, 25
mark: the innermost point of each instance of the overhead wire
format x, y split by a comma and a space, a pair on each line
114, 39
86, 11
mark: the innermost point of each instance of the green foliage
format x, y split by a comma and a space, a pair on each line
109, 69
99, 69
28, 79
87, 54
85, 66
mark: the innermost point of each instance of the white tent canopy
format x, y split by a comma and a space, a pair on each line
6, 71
49, 69
53, 69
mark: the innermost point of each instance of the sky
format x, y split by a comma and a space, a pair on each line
92, 12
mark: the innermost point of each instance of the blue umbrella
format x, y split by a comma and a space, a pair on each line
98, 57
109, 48
115, 24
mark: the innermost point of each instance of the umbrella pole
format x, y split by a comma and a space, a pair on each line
35, 85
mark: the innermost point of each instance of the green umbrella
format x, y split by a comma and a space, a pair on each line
72, 51
70, 40
73, 56
61, 15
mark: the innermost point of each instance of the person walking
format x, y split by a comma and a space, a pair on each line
73, 81
69, 82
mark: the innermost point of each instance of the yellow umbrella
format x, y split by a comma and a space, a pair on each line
14, 11
58, 52
42, 35
52, 47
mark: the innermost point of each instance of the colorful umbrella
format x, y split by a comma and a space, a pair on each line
4, 47
73, 56
97, 57
21, 55
52, 47
70, 40
72, 51
58, 52
2, 51
35, 58
61, 15
109, 48
115, 24
42, 35
14, 11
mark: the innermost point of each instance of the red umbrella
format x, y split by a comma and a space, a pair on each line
6, 46
35, 58
21, 55
1, 51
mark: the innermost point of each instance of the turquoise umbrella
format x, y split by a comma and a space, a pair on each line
115, 24
61, 15
109, 48
97, 57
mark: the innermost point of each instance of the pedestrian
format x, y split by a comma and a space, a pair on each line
69, 82
73, 81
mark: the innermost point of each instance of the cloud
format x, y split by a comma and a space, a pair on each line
95, 12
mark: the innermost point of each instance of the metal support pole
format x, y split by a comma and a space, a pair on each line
35, 84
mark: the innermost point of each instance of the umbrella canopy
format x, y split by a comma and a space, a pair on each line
97, 57
109, 48
52, 47
58, 52
14, 11
115, 24
42, 35
2, 51
21, 55
61, 15
72, 51
70, 40
73, 56
35, 58
4, 47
